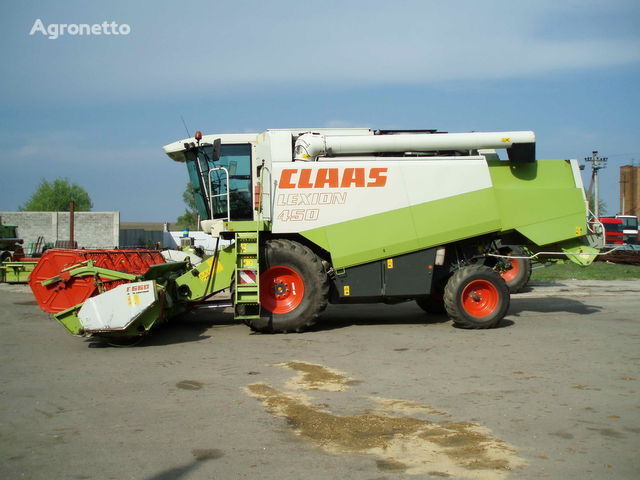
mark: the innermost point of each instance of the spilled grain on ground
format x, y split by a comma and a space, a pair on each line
315, 377
400, 444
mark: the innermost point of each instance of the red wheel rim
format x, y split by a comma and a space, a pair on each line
480, 298
281, 289
512, 273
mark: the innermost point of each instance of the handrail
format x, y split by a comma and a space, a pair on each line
262, 170
211, 197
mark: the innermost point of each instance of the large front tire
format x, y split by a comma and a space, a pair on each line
293, 288
476, 297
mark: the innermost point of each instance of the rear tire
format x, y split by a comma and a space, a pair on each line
294, 288
476, 297
520, 272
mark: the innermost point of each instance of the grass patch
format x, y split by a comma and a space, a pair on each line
595, 271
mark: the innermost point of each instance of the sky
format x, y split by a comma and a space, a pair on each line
97, 109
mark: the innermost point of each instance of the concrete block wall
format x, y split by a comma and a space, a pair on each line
92, 229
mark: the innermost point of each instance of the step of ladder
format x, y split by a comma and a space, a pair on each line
247, 276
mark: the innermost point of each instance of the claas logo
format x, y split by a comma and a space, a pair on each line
333, 177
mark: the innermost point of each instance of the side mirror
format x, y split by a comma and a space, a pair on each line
217, 146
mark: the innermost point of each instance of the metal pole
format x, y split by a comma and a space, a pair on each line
597, 163
71, 224
596, 206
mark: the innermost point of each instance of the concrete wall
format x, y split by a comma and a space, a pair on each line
92, 229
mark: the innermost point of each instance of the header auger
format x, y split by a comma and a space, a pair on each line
320, 216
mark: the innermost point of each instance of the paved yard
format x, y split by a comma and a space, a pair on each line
375, 392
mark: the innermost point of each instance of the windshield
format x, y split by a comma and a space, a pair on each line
211, 195
630, 223
612, 227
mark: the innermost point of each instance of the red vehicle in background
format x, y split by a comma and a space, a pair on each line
612, 230
629, 229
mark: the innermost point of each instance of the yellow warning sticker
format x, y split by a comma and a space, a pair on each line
248, 262
347, 291
506, 140
133, 299
206, 273
579, 231
390, 263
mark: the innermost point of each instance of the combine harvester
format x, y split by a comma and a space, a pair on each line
320, 216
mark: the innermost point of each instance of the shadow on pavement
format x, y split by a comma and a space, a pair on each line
185, 328
551, 305
176, 472
380, 314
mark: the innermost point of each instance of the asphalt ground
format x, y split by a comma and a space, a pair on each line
373, 392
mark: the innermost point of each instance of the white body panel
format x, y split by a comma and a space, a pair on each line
176, 150
305, 199
117, 308
180, 256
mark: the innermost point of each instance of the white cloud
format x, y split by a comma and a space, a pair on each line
253, 45
132, 180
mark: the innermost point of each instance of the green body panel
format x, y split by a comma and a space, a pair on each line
580, 254
573, 249
540, 200
247, 226
69, 319
409, 229
212, 275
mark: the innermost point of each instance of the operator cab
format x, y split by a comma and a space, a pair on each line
219, 170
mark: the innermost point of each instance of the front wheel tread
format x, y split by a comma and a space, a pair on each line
455, 288
309, 266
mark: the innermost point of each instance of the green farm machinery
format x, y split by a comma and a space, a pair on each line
319, 216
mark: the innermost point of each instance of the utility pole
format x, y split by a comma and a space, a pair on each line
597, 163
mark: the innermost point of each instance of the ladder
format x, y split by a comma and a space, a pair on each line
247, 276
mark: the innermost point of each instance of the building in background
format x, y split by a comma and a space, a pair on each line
91, 229
630, 190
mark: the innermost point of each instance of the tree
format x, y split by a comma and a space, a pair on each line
55, 197
190, 217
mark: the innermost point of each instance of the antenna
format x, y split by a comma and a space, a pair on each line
185, 125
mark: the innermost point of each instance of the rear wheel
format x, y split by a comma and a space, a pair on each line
293, 288
519, 271
476, 297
